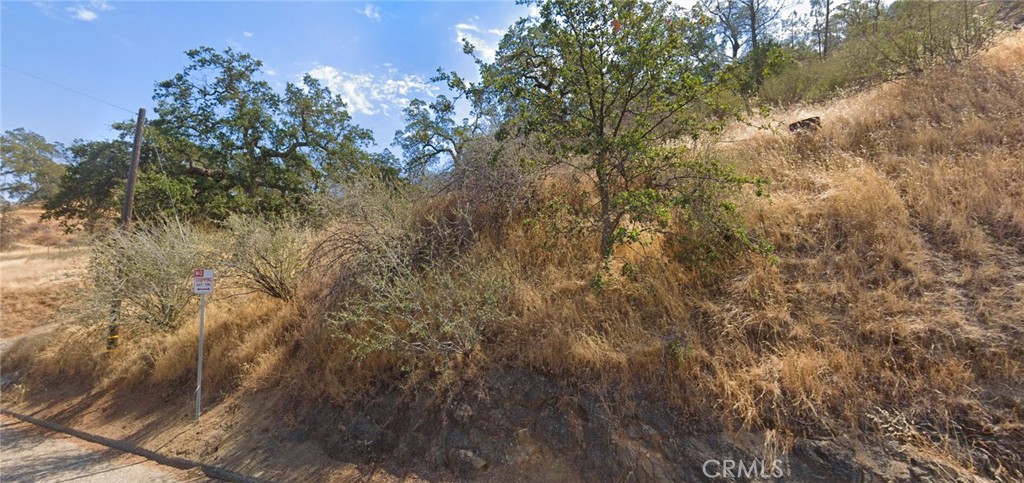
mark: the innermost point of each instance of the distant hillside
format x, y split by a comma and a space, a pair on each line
26, 230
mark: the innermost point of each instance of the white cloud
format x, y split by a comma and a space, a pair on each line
371, 12
269, 71
247, 35
87, 13
484, 40
374, 94
79, 12
686, 4
473, 28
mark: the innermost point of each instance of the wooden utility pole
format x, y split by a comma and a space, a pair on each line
126, 223
133, 174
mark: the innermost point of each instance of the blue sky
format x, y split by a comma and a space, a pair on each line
377, 55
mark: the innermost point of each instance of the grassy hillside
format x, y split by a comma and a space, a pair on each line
880, 339
39, 269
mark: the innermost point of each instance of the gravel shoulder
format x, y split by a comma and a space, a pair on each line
29, 453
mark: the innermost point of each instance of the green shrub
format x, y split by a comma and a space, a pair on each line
907, 38
402, 282
433, 313
815, 80
921, 33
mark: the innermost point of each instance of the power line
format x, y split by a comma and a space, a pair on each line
70, 89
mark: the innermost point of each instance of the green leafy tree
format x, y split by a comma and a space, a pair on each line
432, 135
223, 142
746, 28
10, 226
825, 29
91, 190
241, 147
29, 166
608, 86
728, 21
919, 33
760, 17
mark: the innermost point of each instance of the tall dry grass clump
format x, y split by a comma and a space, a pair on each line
144, 278
897, 291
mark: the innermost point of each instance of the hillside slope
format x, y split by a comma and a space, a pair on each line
38, 273
880, 340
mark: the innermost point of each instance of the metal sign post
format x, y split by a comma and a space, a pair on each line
202, 284
199, 371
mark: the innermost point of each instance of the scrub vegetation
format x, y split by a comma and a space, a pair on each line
618, 238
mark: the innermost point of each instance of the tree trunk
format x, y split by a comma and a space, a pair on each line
878, 14
828, 14
755, 53
752, 11
607, 223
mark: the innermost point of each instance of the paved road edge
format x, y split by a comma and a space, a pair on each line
172, 461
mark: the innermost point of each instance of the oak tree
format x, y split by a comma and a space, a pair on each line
29, 166
609, 87
245, 148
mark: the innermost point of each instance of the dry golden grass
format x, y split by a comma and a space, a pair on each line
893, 309
901, 248
34, 282
241, 338
34, 232
37, 276
38, 267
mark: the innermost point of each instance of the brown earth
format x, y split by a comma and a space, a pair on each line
32, 454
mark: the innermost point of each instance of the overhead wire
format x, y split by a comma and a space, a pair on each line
97, 99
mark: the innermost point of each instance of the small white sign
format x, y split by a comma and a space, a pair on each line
202, 281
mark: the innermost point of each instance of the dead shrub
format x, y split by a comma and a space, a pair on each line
422, 224
494, 185
375, 220
147, 271
401, 282
267, 256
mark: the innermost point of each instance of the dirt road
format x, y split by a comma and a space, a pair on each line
29, 453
